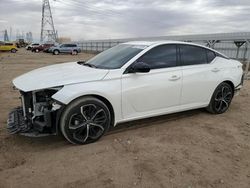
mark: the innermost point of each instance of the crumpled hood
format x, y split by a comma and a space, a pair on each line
58, 75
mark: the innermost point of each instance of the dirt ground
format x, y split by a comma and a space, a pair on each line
187, 150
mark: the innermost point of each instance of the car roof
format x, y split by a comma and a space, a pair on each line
152, 43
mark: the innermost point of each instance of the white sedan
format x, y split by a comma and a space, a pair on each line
130, 81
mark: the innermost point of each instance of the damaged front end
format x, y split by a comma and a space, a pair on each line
37, 116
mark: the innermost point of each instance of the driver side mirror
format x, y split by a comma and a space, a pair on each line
139, 67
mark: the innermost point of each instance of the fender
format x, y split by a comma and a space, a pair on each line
108, 89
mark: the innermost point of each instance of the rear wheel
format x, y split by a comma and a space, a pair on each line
36, 50
74, 52
13, 50
221, 99
85, 120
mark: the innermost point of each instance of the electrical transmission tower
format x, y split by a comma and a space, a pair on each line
48, 33
6, 37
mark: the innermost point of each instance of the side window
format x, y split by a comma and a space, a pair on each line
160, 57
210, 56
192, 55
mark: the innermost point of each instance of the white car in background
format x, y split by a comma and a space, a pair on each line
29, 47
130, 81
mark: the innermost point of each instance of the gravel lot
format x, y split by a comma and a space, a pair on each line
186, 150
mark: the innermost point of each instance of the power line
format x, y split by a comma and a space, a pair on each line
92, 10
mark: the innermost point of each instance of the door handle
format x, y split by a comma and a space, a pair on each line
215, 70
174, 78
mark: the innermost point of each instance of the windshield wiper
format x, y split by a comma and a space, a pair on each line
86, 64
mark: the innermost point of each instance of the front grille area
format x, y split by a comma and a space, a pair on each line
35, 117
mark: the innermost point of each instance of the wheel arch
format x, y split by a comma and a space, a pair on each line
225, 81
109, 105
231, 85
101, 98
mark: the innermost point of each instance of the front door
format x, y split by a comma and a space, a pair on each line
153, 93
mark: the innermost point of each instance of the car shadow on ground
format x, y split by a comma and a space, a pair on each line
51, 142
137, 124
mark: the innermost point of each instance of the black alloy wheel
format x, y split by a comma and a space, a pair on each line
85, 120
221, 99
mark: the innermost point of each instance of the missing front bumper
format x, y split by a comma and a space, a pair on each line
16, 122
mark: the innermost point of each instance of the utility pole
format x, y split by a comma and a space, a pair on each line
10, 33
6, 37
47, 27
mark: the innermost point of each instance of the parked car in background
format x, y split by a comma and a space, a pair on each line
65, 48
29, 47
130, 81
42, 47
8, 46
20, 43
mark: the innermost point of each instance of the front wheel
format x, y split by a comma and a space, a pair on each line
55, 52
221, 99
85, 120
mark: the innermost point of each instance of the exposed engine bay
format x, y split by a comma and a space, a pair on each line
37, 115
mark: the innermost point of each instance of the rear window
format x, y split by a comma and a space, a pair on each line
192, 55
8, 44
210, 56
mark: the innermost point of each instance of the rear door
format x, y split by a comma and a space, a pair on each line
63, 48
69, 48
200, 76
155, 92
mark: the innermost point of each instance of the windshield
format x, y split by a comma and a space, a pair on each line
115, 57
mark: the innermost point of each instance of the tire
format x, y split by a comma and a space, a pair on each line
221, 99
74, 52
36, 50
13, 50
85, 120
56, 52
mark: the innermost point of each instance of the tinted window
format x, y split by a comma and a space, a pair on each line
71, 45
160, 57
210, 56
192, 55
